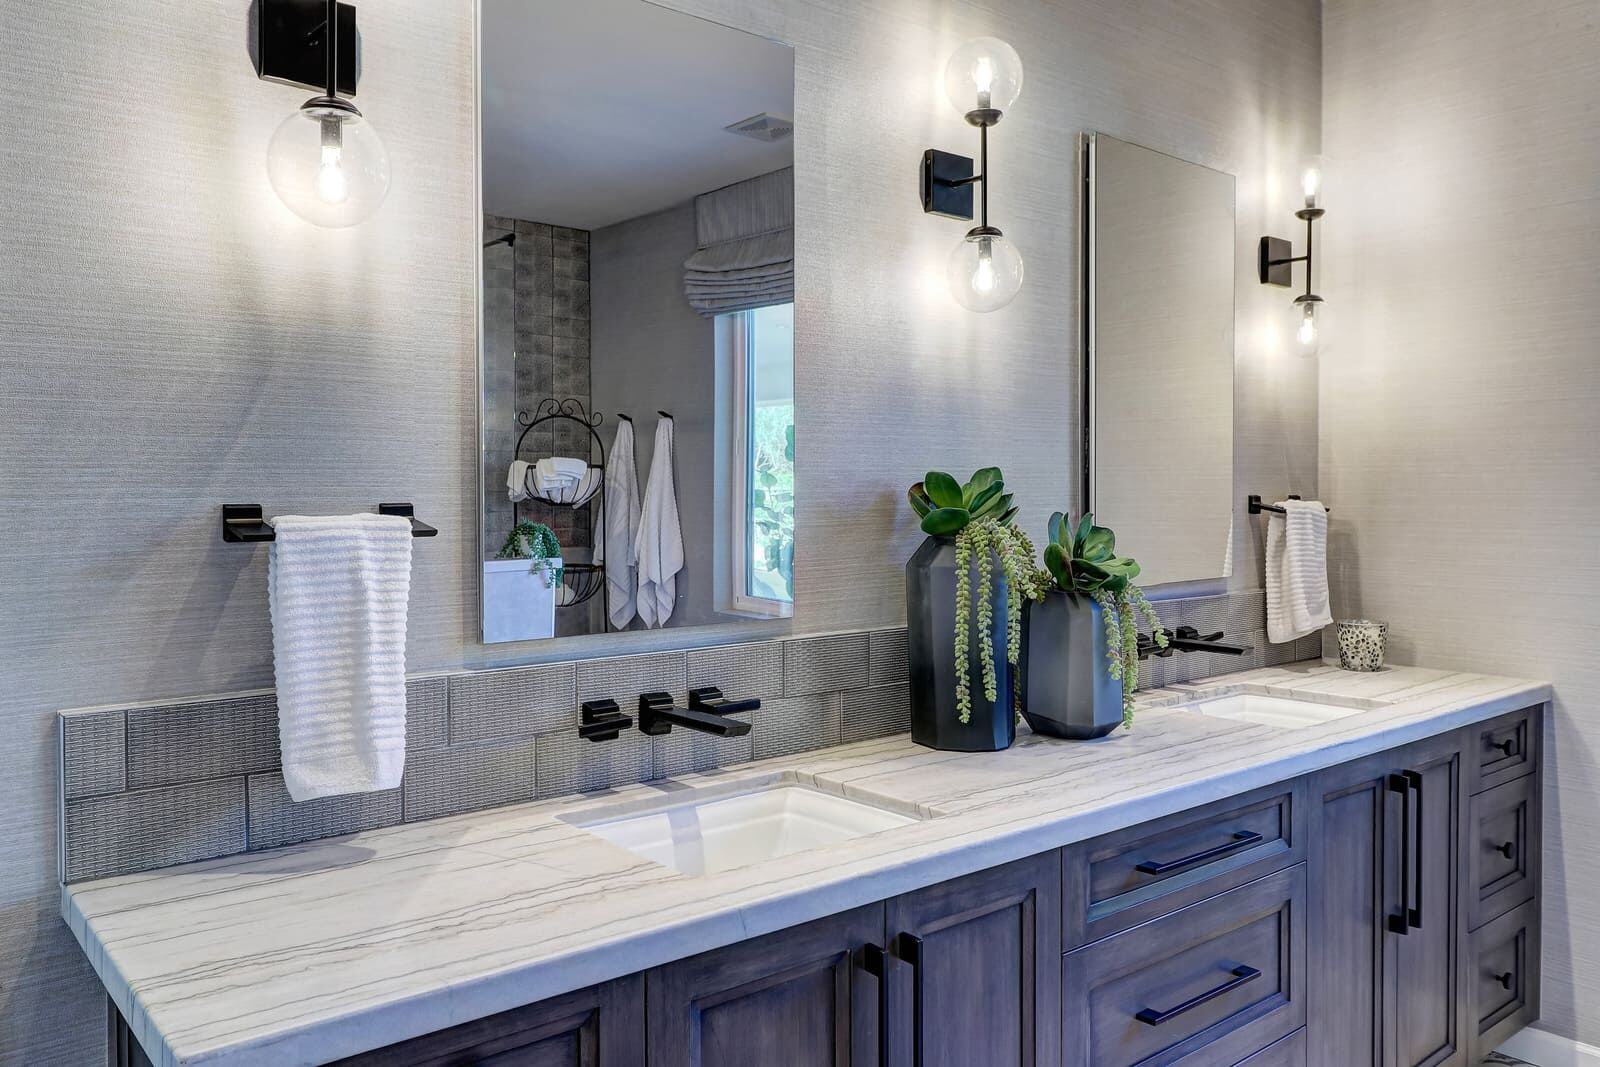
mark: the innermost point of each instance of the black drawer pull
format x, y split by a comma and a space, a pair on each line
910, 950
1241, 975
1414, 917
1401, 924
1508, 850
875, 961
1506, 980
1241, 839
1508, 747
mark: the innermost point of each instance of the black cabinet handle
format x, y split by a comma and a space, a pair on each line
875, 961
1241, 974
910, 950
1508, 747
1241, 839
1417, 838
1400, 924
1508, 850
1506, 980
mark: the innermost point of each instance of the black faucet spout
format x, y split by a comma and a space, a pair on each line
658, 715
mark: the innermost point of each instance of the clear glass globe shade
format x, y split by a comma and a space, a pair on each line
328, 166
983, 73
985, 273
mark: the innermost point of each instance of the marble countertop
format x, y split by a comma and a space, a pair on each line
307, 953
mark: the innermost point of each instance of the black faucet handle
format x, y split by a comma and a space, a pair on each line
1189, 633
602, 720
710, 698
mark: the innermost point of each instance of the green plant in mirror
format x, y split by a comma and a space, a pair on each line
535, 541
1082, 560
979, 515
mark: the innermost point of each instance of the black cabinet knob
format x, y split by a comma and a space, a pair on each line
1508, 747
1508, 850
1506, 980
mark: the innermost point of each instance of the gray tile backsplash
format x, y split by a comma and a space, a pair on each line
156, 785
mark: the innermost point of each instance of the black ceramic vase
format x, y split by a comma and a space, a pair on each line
1070, 691
931, 627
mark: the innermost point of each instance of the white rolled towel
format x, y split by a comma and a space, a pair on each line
337, 587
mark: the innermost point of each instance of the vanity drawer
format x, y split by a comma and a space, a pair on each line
1503, 851
1290, 1052
1505, 978
1128, 877
1503, 749
1213, 983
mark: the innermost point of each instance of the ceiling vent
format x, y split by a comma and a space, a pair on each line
764, 127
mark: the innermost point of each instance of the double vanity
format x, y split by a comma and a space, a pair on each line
1290, 865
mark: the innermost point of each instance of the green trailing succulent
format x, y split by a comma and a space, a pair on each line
1082, 560
979, 516
535, 541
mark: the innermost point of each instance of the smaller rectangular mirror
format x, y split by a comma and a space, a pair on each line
1158, 339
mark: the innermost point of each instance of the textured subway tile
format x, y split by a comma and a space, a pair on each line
825, 664
1172, 613
206, 739
468, 777
688, 751
1309, 647
569, 764
523, 702
128, 832
876, 712
93, 753
1208, 614
623, 678
798, 724
275, 819
1247, 612
886, 655
742, 672
427, 712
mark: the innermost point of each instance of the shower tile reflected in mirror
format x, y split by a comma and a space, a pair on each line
1159, 330
638, 248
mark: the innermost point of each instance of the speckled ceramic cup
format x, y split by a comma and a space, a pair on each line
1362, 643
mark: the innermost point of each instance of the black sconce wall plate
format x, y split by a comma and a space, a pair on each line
290, 44
947, 181
1274, 262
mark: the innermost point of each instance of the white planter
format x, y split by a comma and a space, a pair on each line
518, 603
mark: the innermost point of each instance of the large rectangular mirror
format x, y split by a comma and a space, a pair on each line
637, 364
1159, 332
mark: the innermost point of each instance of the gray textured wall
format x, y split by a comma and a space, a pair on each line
172, 338
1460, 380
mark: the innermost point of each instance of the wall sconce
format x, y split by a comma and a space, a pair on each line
1275, 259
325, 161
982, 79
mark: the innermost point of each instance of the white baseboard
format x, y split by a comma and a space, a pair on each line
1545, 1049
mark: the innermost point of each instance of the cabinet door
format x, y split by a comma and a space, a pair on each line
978, 969
598, 1027
797, 998
1428, 997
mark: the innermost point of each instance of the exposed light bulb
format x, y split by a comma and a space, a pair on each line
1307, 333
332, 186
983, 78
983, 279
983, 75
1311, 185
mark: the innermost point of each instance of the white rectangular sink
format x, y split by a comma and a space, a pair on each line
719, 828
1283, 712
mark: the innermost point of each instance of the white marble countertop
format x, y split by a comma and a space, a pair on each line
307, 953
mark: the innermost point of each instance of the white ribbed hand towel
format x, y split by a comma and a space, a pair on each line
1297, 571
337, 587
659, 549
614, 545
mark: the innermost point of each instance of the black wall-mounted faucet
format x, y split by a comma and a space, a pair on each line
1188, 639
707, 712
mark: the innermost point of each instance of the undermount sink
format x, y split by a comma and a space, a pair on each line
1289, 713
722, 827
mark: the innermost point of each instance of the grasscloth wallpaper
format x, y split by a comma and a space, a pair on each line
172, 338
1461, 381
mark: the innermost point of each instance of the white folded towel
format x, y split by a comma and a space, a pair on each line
1297, 571
614, 545
558, 473
659, 548
517, 479
337, 587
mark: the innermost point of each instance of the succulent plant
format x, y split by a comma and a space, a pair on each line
1083, 561
947, 507
979, 516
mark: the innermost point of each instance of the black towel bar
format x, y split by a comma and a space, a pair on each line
246, 524
1257, 507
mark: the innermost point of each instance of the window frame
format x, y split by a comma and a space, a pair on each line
741, 459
